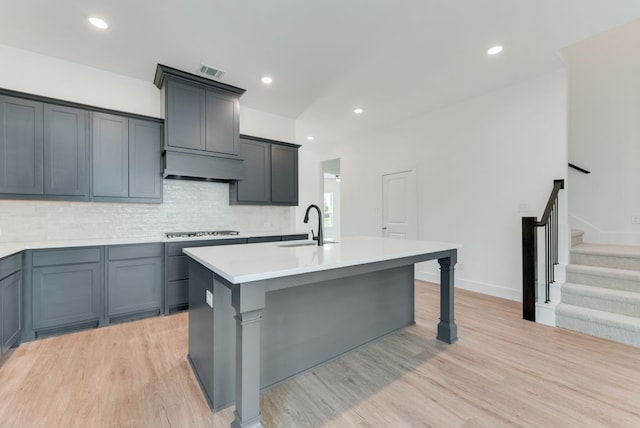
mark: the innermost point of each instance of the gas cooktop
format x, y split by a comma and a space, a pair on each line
201, 234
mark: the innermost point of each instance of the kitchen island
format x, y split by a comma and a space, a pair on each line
262, 313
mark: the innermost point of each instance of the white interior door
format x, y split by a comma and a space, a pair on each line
399, 212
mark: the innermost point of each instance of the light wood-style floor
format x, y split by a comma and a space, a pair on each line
503, 372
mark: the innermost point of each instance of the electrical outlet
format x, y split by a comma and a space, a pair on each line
635, 219
209, 297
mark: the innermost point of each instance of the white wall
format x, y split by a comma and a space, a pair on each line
604, 135
187, 205
477, 163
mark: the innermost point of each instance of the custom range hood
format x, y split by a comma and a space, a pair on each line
202, 126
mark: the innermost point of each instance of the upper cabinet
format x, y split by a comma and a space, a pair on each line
43, 150
202, 125
126, 159
58, 150
65, 151
271, 173
21, 146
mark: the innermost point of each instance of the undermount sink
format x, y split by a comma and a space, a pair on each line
306, 244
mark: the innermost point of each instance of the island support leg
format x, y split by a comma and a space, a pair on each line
447, 328
248, 303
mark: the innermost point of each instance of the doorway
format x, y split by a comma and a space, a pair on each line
399, 205
331, 198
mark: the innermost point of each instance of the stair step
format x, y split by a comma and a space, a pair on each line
620, 328
603, 299
610, 256
576, 237
619, 279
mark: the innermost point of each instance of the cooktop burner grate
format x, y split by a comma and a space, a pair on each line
201, 234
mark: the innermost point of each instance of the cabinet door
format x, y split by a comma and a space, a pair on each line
145, 177
110, 158
21, 146
66, 294
284, 174
65, 151
185, 116
134, 285
223, 123
256, 187
11, 309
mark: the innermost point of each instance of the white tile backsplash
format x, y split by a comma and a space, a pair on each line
187, 206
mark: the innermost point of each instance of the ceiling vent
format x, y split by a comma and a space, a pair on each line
214, 73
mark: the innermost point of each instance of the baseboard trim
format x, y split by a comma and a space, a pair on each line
479, 287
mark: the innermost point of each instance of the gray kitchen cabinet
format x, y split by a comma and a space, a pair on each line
44, 150
125, 159
256, 187
223, 122
110, 160
21, 146
177, 265
65, 151
145, 175
134, 281
202, 115
186, 115
10, 301
177, 270
284, 174
271, 173
65, 291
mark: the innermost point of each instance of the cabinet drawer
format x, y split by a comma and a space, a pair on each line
10, 265
177, 268
66, 256
175, 248
137, 251
177, 293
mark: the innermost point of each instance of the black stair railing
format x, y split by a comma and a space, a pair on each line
577, 168
530, 225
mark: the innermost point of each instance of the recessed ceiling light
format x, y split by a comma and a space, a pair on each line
267, 80
358, 110
98, 23
310, 138
495, 50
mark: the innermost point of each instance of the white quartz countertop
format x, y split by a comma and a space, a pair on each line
254, 262
9, 248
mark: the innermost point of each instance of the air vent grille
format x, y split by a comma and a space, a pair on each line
211, 71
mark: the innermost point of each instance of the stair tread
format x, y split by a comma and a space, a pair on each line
577, 232
624, 322
604, 271
602, 292
627, 251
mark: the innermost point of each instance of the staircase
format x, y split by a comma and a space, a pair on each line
601, 296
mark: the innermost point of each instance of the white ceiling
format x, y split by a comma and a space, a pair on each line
393, 58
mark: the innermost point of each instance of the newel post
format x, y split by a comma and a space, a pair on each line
529, 255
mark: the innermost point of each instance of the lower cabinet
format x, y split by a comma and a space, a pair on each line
66, 290
134, 281
10, 301
177, 271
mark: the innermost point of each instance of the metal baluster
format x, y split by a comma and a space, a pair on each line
546, 264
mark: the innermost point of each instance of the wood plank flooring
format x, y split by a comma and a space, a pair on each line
503, 372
